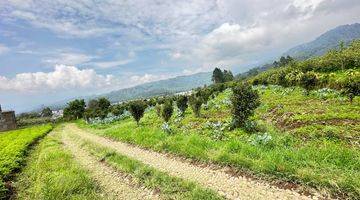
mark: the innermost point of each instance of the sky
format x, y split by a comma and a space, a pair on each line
51, 50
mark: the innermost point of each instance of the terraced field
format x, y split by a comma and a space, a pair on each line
13, 148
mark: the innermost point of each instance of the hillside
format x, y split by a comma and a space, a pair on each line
326, 41
163, 87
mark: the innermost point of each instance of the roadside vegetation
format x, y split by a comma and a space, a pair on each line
13, 149
52, 173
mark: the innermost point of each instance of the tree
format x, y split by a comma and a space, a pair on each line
181, 103
137, 109
74, 109
46, 112
97, 108
352, 85
118, 109
167, 110
228, 76
195, 104
244, 102
218, 76
158, 109
308, 81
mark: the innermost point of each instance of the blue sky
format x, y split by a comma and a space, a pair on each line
51, 50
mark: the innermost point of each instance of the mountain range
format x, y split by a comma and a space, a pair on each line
329, 40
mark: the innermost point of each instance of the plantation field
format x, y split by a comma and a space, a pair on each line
13, 146
309, 140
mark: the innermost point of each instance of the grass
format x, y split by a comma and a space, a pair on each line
51, 173
325, 159
169, 187
13, 147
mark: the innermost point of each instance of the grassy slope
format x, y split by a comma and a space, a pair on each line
316, 154
13, 146
51, 173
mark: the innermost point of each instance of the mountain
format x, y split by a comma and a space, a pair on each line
329, 40
163, 87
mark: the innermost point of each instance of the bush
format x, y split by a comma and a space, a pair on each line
352, 85
244, 102
181, 103
308, 81
167, 110
97, 108
118, 109
158, 110
137, 109
195, 104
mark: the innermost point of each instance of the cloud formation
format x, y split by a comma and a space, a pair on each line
62, 78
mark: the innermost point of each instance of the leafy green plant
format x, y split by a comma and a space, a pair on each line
137, 109
182, 103
167, 110
195, 104
244, 102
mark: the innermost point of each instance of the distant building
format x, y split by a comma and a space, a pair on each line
7, 120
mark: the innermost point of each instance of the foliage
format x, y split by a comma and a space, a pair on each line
158, 109
195, 104
110, 118
97, 108
166, 128
137, 109
74, 109
222, 76
167, 110
244, 102
13, 146
308, 80
46, 112
182, 103
218, 76
118, 109
352, 85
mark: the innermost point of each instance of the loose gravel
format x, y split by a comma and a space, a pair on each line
115, 184
217, 179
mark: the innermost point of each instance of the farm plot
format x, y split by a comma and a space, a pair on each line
13, 146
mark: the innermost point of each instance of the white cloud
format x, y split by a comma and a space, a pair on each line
62, 78
68, 58
110, 64
136, 79
4, 49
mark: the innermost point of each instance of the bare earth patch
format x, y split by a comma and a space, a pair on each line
217, 179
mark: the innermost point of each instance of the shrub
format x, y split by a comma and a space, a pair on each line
137, 109
244, 101
158, 110
195, 104
181, 103
308, 81
167, 110
352, 85
118, 109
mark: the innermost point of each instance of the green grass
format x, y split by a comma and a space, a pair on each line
13, 147
168, 187
51, 173
299, 154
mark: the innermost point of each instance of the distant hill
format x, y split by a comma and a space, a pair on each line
163, 87
326, 41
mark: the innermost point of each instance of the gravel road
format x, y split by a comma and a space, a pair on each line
115, 184
229, 186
